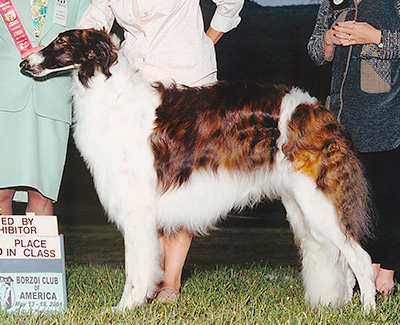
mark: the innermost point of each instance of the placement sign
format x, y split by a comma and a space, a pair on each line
26, 292
28, 225
32, 264
17, 247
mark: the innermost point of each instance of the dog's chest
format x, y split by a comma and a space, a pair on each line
112, 123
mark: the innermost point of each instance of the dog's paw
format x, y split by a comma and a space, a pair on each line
126, 304
369, 305
130, 299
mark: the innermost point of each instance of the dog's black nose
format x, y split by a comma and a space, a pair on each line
23, 64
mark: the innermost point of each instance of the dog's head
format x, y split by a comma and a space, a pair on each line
87, 50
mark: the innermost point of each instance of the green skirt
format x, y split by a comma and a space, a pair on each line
32, 152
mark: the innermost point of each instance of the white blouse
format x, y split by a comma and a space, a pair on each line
165, 38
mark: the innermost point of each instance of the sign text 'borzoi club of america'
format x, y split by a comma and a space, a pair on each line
32, 268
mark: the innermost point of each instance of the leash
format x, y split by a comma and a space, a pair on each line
347, 66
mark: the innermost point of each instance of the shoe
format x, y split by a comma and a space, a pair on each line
166, 296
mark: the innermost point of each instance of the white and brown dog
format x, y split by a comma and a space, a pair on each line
167, 158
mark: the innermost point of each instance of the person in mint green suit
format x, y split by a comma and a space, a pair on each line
35, 115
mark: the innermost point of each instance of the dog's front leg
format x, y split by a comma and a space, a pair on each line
142, 256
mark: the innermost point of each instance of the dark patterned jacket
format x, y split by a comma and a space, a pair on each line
366, 99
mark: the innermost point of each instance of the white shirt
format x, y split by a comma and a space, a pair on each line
165, 38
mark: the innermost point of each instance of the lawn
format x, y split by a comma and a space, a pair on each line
235, 276
253, 294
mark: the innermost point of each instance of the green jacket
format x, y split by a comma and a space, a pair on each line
51, 96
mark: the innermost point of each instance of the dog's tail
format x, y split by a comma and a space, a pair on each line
321, 148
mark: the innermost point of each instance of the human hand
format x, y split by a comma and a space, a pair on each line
31, 51
330, 40
353, 32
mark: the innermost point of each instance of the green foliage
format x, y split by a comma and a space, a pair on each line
252, 294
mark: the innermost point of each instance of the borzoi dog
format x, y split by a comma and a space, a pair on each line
173, 157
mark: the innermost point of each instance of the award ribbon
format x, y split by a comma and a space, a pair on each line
14, 25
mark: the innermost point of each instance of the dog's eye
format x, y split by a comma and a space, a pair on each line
60, 41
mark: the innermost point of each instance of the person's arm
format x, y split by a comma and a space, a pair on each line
390, 40
98, 15
226, 18
390, 45
320, 47
352, 32
214, 35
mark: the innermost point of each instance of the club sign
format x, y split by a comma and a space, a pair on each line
32, 264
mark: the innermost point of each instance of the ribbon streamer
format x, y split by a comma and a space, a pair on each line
15, 26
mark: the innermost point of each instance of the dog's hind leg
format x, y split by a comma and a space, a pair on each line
361, 264
322, 224
142, 256
322, 264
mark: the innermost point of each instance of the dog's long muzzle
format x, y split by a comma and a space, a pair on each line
30, 68
24, 65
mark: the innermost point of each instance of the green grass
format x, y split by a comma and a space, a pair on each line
253, 294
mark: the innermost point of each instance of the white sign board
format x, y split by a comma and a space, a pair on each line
29, 225
23, 293
12, 247
32, 264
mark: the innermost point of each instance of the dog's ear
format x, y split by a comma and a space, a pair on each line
103, 50
104, 53
100, 55
85, 73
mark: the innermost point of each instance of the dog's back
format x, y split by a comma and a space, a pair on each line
241, 127
227, 125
